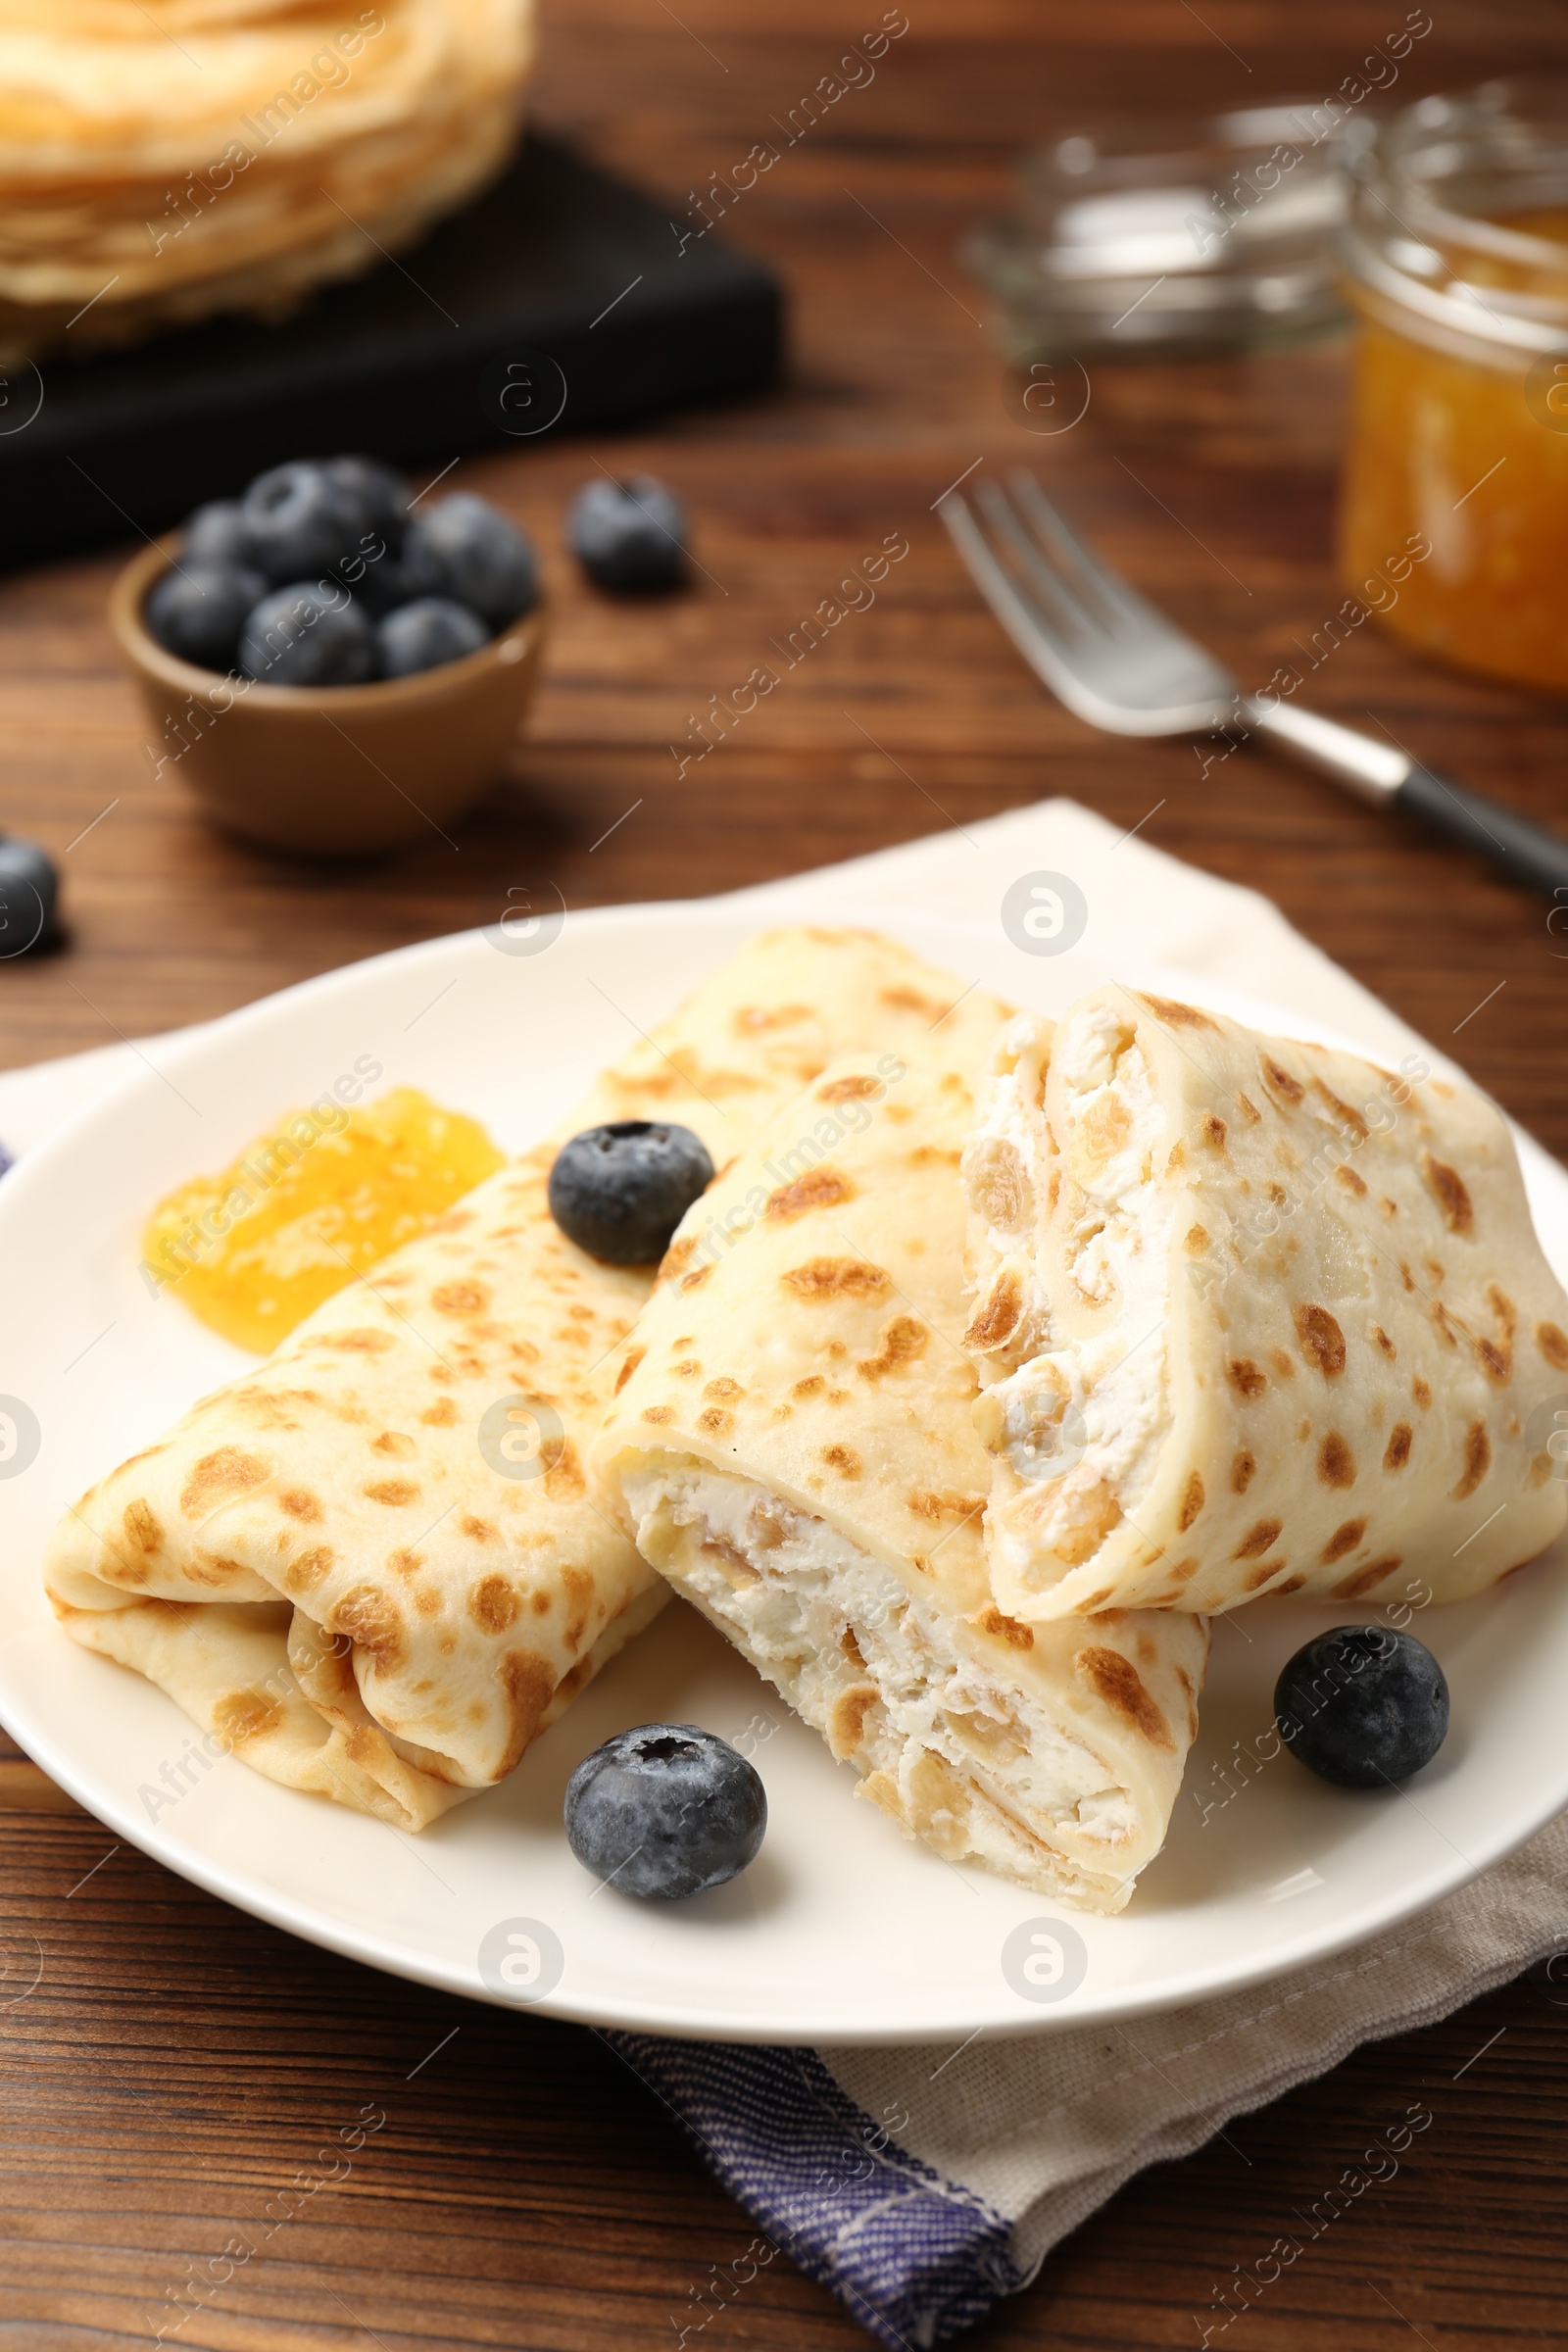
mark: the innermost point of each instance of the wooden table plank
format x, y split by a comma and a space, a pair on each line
176, 2065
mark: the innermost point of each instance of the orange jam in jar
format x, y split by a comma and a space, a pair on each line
308, 1207
1458, 431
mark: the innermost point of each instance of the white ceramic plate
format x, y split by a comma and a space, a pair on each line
841, 1931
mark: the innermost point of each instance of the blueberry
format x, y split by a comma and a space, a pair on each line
303, 519
464, 549
382, 496
1364, 1705
29, 898
197, 611
667, 1810
379, 584
628, 536
424, 634
620, 1192
302, 636
216, 534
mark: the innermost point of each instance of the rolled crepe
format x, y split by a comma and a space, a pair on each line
1251, 1318
794, 1443
375, 1567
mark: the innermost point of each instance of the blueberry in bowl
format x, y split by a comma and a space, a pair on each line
29, 898
298, 676
1363, 1707
666, 1811
620, 1191
629, 537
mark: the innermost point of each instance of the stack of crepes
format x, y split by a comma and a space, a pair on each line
160, 165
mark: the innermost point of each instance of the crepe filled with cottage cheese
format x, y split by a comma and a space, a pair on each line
794, 1443
1251, 1316
375, 1566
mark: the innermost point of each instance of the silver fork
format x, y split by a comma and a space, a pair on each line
1121, 665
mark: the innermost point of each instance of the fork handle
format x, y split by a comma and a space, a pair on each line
1524, 851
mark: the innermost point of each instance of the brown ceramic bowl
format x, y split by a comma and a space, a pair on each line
334, 771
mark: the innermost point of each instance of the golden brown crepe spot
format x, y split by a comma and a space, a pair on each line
724, 1389
1250, 1110
1281, 1363
1502, 1306
1257, 1539
441, 1415
1498, 1361
370, 1621
1006, 1629
528, 1683
299, 1502
846, 1722
1257, 1577
1336, 1463
996, 1318
360, 1342
900, 1114
1277, 1194
1477, 1460
850, 1090
1245, 1376
694, 1280
1384, 1343
715, 1422
479, 1531
220, 1475
1212, 1129
676, 1259
304, 1574
141, 1527
929, 1155
1553, 1345
1197, 1240
835, 1278
394, 1491
1345, 1113
812, 1386
1448, 1189
818, 1188
902, 1340
1112, 1616
242, 1715
539, 1602
1351, 1182
395, 1442
1322, 1340
1292, 1584
835, 1347
493, 1605
1344, 1539
1191, 1502
1116, 1680
563, 1475
1277, 1078
1177, 1016
749, 1018
687, 1369
843, 1459
1446, 1323
442, 1372
908, 999
461, 1299
1363, 1579
404, 1562
578, 1587
427, 1600
1243, 1465
927, 1503
634, 1357
1397, 1450
657, 1412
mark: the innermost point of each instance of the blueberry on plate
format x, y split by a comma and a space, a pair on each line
301, 519
664, 1811
198, 609
424, 634
216, 534
620, 1192
628, 536
299, 636
29, 898
381, 496
1363, 1707
464, 549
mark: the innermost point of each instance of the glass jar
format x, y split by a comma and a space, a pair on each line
1457, 451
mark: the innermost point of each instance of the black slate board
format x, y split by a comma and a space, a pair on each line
574, 283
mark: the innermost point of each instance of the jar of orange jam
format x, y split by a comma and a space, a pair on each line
1457, 259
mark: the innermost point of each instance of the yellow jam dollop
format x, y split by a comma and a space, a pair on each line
1447, 450
308, 1207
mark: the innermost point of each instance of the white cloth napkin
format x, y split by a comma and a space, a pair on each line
1031, 2137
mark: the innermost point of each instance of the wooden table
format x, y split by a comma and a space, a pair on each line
177, 2061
